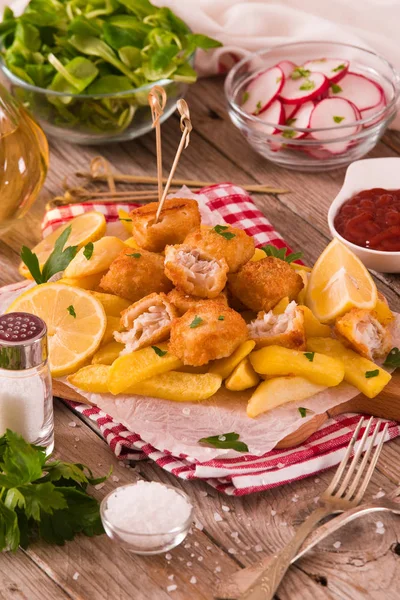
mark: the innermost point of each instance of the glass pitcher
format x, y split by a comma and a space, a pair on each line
24, 159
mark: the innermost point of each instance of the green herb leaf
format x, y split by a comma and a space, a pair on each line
221, 318
71, 311
281, 253
302, 411
288, 133
197, 321
199, 40
338, 119
290, 121
59, 259
245, 96
338, 68
31, 261
158, 351
370, 374
336, 89
393, 359
258, 107
135, 255
88, 251
225, 441
307, 85
299, 72
127, 220
309, 355
222, 230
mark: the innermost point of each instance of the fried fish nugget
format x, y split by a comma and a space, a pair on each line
135, 274
195, 272
147, 322
178, 218
362, 331
260, 285
183, 302
206, 332
230, 243
285, 329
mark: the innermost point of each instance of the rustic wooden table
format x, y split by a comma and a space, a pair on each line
366, 565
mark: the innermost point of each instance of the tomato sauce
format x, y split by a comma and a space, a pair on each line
371, 219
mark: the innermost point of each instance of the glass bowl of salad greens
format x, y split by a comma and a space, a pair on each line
84, 69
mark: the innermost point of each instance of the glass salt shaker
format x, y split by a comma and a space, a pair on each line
26, 399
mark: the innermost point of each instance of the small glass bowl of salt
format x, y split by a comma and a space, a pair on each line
147, 517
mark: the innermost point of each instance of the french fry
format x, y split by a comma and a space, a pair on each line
91, 282
113, 305
356, 367
105, 251
133, 368
282, 305
318, 368
242, 377
107, 354
178, 387
224, 366
113, 324
312, 326
194, 370
280, 390
92, 378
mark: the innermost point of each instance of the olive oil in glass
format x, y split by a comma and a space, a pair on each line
24, 158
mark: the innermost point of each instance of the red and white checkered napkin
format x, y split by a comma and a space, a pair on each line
244, 474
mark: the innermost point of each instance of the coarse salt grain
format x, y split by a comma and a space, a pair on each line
193, 580
258, 548
72, 424
198, 525
231, 550
379, 525
196, 544
189, 563
172, 588
168, 556
200, 559
171, 577
337, 545
186, 411
225, 508
217, 517
217, 570
75, 576
273, 513
115, 478
203, 494
148, 508
235, 534
378, 495
209, 547
99, 486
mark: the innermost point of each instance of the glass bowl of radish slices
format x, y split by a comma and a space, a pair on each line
312, 106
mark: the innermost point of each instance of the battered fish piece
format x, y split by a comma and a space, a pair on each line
286, 329
195, 272
135, 274
261, 284
178, 218
206, 332
223, 241
364, 333
183, 302
147, 321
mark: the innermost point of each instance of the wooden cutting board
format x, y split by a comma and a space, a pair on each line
385, 406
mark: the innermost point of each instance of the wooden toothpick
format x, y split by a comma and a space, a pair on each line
186, 128
157, 99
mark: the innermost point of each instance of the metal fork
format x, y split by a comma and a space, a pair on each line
340, 495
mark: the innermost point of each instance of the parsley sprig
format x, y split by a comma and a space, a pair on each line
222, 230
226, 441
43, 498
393, 359
281, 253
58, 260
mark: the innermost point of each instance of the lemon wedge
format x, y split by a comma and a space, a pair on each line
338, 282
86, 228
75, 321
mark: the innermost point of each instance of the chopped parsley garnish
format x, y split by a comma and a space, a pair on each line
71, 311
246, 96
278, 79
221, 318
197, 321
226, 441
127, 220
281, 253
135, 255
336, 89
370, 374
299, 72
158, 351
338, 119
302, 411
338, 68
290, 121
309, 355
289, 133
307, 85
88, 250
393, 359
258, 107
221, 230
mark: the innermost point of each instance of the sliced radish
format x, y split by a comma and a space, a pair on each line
287, 67
300, 118
289, 109
303, 89
274, 114
333, 68
369, 112
263, 90
332, 114
360, 90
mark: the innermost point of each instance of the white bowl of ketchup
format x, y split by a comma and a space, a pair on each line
361, 176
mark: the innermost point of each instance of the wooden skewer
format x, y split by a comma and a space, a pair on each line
149, 180
157, 99
77, 196
186, 127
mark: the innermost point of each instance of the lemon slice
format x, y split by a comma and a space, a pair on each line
86, 228
75, 321
338, 282
105, 251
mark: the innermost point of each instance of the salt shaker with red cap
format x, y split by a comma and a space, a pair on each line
26, 400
